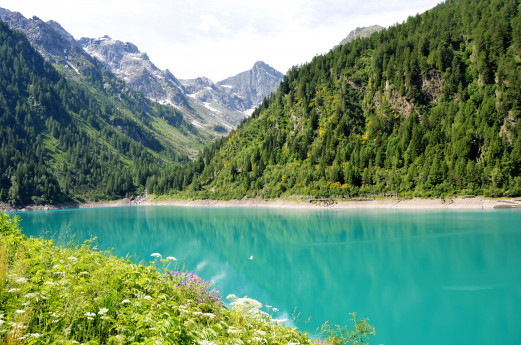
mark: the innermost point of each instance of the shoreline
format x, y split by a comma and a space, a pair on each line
356, 203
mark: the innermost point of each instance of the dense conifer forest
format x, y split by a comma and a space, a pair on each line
430, 107
62, 139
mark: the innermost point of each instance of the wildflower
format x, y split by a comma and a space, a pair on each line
232, 330
72, 258
20, 311
90, 316
210, 315
279, 320
172, 258
2, 322
147, 297
32, 294
206, 342
260, 332
231, 296
156, 255
35, 335
246, 303
102, 311
55, 267
13, 290
21, 280
275, 310
125, 301
49, 283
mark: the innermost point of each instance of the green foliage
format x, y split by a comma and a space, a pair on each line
341, 335
76, 294
82, 136
426, 108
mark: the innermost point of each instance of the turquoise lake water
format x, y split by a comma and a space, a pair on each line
421, 277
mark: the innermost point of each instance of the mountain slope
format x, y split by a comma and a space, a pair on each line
58, 47
135, 68
427, 108
63, 140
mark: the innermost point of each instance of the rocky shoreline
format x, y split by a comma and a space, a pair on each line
357, 203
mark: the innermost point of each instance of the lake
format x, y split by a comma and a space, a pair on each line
421, 277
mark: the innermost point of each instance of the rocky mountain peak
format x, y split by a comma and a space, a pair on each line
49, 38
253, 85
362, 32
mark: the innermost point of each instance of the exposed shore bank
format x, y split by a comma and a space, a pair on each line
356, 203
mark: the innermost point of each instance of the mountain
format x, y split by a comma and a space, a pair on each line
49, 39
128, 63
93, 59
242, 92
362, 32
208, 106
135, 68
57, 46
67, 136
254, 85
213, 113
430, 107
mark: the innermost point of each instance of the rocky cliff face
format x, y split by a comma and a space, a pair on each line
49, 38
361, 33
126, 61
242, 92
254, 85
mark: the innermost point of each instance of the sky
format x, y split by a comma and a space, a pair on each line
221, 38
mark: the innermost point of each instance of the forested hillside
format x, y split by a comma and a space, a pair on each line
63, 139
430, 107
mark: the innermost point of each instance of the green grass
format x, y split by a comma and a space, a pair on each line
79, 295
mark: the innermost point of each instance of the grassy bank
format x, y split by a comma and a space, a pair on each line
77, 294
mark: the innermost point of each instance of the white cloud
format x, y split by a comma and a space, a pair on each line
208, 23
221, 38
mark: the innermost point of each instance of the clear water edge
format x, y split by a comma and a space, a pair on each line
421, 277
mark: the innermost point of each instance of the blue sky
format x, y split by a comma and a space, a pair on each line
218, 39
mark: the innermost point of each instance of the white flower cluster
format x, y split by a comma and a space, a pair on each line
248, 305
206, 342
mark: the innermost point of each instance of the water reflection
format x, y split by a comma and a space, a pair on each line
421, 277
